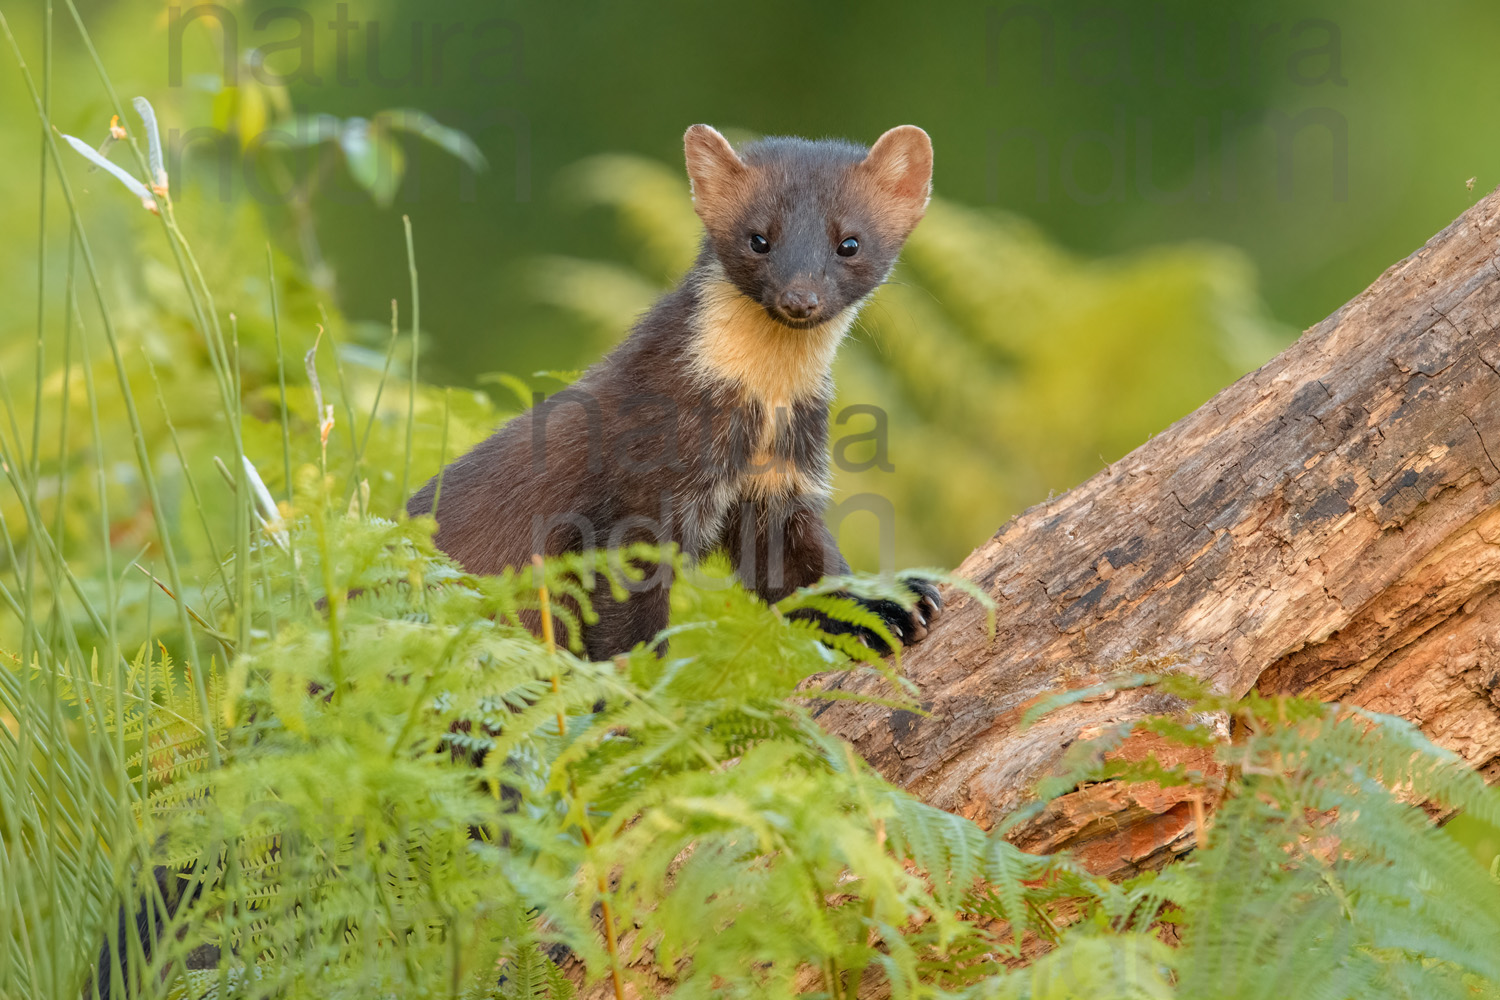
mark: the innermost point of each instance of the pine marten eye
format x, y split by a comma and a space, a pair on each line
848, 248
759, 243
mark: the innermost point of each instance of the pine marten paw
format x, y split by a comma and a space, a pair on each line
907, 624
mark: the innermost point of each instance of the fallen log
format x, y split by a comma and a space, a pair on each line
1328, 525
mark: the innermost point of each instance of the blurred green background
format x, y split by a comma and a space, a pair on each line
1136, 202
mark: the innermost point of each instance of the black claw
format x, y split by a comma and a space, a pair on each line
929, 601
906, 625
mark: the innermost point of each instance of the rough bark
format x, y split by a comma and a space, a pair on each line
1327, 525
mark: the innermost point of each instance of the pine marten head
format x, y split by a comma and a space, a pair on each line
808, 229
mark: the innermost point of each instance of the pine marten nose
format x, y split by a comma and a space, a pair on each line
797, 303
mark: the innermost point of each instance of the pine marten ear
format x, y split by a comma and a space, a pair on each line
899, 169
721, 181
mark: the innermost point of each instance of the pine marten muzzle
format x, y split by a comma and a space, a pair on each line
707, 428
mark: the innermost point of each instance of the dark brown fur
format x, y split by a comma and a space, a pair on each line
707, 427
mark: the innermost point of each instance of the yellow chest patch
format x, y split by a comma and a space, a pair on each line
772, 365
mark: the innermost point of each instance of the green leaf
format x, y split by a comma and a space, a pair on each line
375, 160
418, 123
300, 131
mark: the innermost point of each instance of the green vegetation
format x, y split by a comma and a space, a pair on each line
345, 843
363, 777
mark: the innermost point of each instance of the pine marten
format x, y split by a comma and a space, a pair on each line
708, 426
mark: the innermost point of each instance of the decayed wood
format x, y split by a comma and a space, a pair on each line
1326, 525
